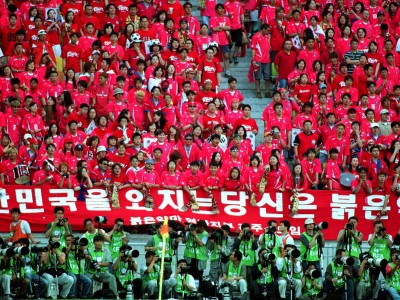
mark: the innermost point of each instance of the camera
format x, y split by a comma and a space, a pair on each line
381, 229
322, 226
269, 256
21, 250
100, 219
217, 234
120, 227
37, 249
225, 284
54, 245
348, 261
176, 234
275, 131
247, 234
94, 265
83, 242
8, 252
132, 253
381, 262
293, 253
349, 226
314, 273
61, 222
270, 230
192, 227
185, 269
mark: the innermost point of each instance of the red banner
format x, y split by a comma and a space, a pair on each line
37, 204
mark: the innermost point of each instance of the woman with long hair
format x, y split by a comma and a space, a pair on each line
297, 182
275, 177
69, 83
252, 179
171, 179
233, 182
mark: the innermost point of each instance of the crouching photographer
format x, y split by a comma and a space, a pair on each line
185, 283
393, 273
55, 268
125, 268
264, 274
234, 277
311, 283
368, 286
339, 277
290, 269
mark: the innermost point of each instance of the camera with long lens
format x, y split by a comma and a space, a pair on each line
322, 226
54, 245
100, 219
349, 226
314, 273
94, 265
132, 253
270, 230
293, 253
380, 262
7, 252
21, 250
83, 242
61, 222
37, 249
269, 256
381, 229
347, 261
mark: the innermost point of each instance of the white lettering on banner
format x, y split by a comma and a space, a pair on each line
277, 205
148, 220
4, 197
97, 200
374, 205
136, 221
234, 207
60, 200
343, 204
26, 196
135, 197
257, 228
203, 203
168, 201
305, 201
215, 224
295, 231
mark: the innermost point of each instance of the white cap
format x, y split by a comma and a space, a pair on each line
42, 32
101, 148
374, 125
309, 221
384, 111
27, 136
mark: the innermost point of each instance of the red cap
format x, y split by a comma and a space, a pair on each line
33, 141
68, 140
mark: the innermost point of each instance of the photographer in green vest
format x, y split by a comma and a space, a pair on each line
247, 244
59, 227
155, 243
311, 282
234, 277
393, 274
265, 274
350, 239
118, 238
220, 244
339, 276
269, 240
289, 266
185, 283
380, 243
312, 240
367, 286
125, 268
195, 253
100, 260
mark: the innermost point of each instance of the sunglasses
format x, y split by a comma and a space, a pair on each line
192, 106
189, 139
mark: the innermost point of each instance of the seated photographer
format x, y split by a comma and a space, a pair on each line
367, 286
54, 262
290, 269
264, 274
100, 260
185, 283
155, 243
220, 244
93, 232
118, 238
380, 243
234, 277
75, 252
59, 227
393, 273
30, 263
13, 274
311, 283
125, 268
350, 239
338, 274
150, 274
